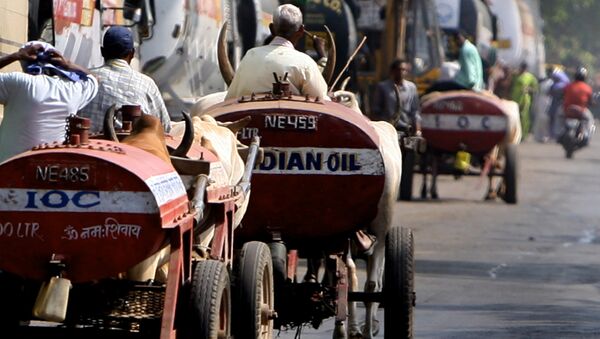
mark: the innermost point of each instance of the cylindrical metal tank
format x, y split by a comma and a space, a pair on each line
100, 208
322, 174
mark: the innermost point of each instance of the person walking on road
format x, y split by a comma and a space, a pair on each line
524, 86
396, 100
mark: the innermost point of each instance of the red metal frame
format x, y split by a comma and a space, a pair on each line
180, 268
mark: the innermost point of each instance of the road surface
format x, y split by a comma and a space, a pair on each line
486, 269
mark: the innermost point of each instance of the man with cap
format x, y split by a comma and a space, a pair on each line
38, 101
120, 84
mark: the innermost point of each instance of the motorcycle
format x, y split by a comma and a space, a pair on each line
578, 129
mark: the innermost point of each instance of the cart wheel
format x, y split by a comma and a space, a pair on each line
399, 280
210, 309
406, 181
254, 299
510, 175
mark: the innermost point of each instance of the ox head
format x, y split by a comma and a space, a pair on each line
228, 72
145, 125
149, 135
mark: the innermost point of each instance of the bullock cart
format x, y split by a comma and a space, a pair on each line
76, 221
467, 134
320, 181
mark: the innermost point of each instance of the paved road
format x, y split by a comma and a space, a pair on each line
490, 270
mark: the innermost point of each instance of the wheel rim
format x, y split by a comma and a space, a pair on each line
224, 316
266, 306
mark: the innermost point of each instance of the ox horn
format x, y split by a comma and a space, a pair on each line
109, 124
188, 137
225, 66
331, 55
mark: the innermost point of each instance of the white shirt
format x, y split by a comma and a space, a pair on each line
120, 84
36, 108
255, 72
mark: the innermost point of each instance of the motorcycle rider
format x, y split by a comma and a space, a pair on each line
578, 96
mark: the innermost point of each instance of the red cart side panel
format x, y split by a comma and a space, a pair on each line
102, 210
322, 174
463, 117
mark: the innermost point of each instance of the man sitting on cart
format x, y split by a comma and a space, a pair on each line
255, 72
470, 75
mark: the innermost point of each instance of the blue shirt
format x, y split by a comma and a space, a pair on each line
471, 69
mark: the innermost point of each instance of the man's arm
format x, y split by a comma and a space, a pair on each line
157, 104
415, 111
58, 60
28, 53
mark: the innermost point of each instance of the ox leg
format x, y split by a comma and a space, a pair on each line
434, 174
353, 328
375, 265
492, 192
339, 330
424, 184
313, 264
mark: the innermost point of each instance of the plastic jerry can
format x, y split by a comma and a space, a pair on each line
51, 302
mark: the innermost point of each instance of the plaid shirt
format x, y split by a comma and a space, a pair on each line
121, 85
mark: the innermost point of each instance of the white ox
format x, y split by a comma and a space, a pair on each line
221, 140
513, 137
392, 160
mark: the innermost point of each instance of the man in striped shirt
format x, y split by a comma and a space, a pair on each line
120, 84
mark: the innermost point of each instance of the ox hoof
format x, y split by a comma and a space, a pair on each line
491, 196
339, 331
374, 330
434, 196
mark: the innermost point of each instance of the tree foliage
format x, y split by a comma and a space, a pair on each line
571, 29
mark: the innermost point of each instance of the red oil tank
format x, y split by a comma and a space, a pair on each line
455, 119
322, 174
101, 207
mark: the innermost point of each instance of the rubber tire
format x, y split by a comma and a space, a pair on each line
406, 180
210, 301
253, 288
399, 281
510, 174
279, 260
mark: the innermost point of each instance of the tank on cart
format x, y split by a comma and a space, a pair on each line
76, 217
468, 133
320, 181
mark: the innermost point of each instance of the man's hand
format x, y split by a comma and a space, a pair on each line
29, 53
58, 60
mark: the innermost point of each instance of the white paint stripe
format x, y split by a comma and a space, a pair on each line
321, 161
166, 187
465, 122
38, 200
